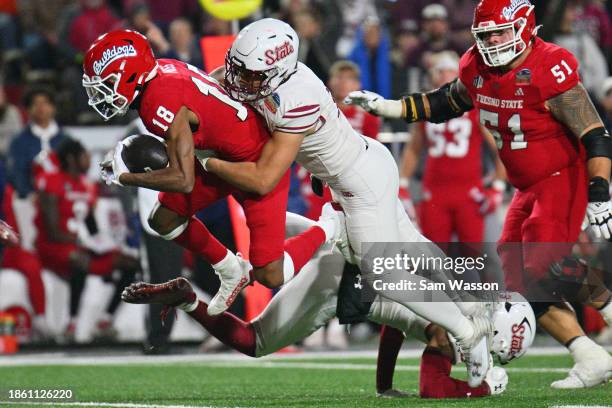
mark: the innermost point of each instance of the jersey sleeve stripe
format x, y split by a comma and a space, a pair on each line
303, 108
300, 115
297, 128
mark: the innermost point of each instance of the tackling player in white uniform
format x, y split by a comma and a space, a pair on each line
310, 300
307, 126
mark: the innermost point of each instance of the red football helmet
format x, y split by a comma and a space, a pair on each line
498, 16
115, 68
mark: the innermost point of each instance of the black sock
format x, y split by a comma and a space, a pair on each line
77, 284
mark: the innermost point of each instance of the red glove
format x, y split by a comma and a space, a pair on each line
489, 199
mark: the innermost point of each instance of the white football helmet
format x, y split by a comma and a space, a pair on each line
514, 327
263, 56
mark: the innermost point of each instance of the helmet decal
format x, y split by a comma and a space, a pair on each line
278, 53
510, 11
111, 54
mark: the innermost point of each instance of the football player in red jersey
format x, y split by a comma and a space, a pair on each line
555, 148
65, 201
195, 116
455, 200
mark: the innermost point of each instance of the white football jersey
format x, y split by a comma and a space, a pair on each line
303, 102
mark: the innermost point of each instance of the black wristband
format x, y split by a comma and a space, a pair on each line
597, 143
599, 190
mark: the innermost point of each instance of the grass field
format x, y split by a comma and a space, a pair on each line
279, 382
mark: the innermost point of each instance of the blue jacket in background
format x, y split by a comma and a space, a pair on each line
22, 152
375, 73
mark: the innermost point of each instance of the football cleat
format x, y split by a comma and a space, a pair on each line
476, 350
497, 380
234, 276
588, 373
172, 293
393, 393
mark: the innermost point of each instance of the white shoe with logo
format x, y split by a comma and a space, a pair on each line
234, 276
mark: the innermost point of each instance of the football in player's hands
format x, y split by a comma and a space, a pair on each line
144, 153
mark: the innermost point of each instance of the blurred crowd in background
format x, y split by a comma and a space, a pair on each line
387, 46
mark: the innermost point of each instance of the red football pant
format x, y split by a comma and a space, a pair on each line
265, 216
539, 223
450, 210
28, 264
435, 380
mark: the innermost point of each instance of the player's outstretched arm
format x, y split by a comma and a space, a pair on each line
262, 176
449, 101
575, 110
179, 176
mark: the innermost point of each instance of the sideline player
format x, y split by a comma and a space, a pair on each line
314, 297
262, 68
455, 200
187, 108
65, 204
555, 149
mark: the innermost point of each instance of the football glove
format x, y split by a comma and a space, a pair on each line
490, 199
375, 104
599, 210
113, 166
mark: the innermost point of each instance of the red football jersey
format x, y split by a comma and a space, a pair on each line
532, 143
75, 199
363, 122
453, 151
231, 129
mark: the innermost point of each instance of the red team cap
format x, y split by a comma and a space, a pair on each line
498, 15
115, 68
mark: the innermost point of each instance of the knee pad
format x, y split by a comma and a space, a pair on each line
172, 234
175, 232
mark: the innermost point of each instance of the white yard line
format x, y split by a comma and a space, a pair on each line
580, 406
98, 404
118, 359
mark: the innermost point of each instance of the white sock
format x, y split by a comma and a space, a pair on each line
229, 257
583, 347
288, 268
606, 312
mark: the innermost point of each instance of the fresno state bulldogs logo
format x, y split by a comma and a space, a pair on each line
278, 53
510, 11
111, 54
